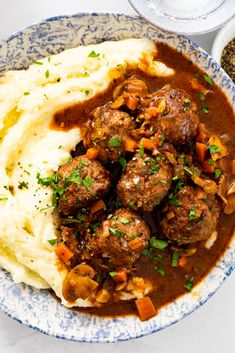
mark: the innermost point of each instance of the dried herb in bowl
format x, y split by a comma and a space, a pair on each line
228, 59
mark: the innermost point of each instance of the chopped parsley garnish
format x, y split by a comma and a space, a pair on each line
157, 243
87, 181
189, 284
188, 170
163, 181
187, 103
205, 108
175, 177
124, 220
202, 96
175, 258
3, 198
47, 73
162, 138
123, 162
132, 203
85, 163
93, 54
149, 160
160, 270
95, 226
23, 185
52, 241
192, 214
112, 274
26, 93
217, 173
208, 79
145, 252
115, 141
214, 149
211, 162
154, 169
38, 63
173, 200
116, 232
86, 92
141, 149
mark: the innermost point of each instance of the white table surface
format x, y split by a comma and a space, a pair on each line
210, 329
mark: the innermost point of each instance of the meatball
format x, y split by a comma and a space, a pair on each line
107, 131
83, 181
120, 240
172, 113
145, 182
191, 218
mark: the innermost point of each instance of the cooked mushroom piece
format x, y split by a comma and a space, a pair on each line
79, 283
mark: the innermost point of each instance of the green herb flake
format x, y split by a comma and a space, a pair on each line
87, 182
93, 54
124, 220
141, 152
26, 93
205, 108
86, 92
145, 252
123, 162
154, 169
160, 270
217, 173
202, 96
173, 200
157, 243
208, 79
189, 284
47, 73
112, 274
52, 241
37, 63
3, 198
188, 170
192, 214
211, 162
132, 203
214, 149
23, 185
175, 177
85, 163
116, 232
163, 181
149, 160
175, 258
115, 141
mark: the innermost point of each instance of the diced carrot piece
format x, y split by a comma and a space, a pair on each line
97, 206
135, 243
182, 261
131, 101
120, 277
92, 153
158, 139
201, 150
147, 144
64, 253
202, 134
129, 145
233, 166
145, 308
207, 167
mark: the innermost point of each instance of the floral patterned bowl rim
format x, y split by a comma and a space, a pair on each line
37, 309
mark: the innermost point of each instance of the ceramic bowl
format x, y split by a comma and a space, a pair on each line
37, 309
223, 37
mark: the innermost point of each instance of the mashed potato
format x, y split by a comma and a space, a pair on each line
28, 101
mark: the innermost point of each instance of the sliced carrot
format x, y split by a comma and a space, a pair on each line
131, 101
201, 149
158, 139
120, 277
202, 134
129, 145
145, 308
97, 206
92, 153
182, 261
135, 243
64, 253
233, 166
147, 144
207, 167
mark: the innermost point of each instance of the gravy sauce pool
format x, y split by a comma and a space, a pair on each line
219, 119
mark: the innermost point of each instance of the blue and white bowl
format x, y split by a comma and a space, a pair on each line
37, 309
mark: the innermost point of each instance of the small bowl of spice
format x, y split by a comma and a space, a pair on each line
223, 50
